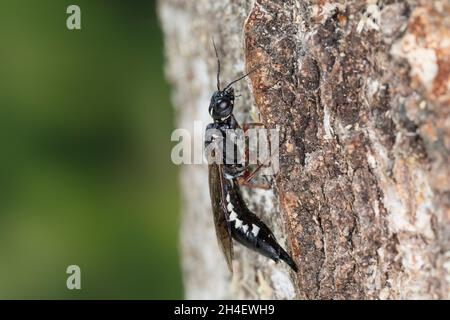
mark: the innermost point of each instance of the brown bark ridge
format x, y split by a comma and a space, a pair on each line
361, 92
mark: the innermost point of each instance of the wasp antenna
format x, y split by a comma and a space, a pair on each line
218, 64
245, 75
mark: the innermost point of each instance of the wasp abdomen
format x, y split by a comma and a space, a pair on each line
249, 230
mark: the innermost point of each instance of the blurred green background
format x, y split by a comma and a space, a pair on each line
85, 170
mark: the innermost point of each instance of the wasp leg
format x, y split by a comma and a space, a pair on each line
249, 125
246, 179
248, 176
243, 182
245, 128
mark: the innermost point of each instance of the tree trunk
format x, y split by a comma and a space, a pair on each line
361, 91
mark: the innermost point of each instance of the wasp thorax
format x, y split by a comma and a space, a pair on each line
222, 103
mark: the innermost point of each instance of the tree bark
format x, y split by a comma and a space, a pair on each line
361, 92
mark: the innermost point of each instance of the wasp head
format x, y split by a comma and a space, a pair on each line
222, 103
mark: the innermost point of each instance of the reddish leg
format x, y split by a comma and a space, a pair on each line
245, 128
248, 176
264, 186
250, 125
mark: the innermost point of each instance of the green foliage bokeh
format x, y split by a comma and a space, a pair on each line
85, 170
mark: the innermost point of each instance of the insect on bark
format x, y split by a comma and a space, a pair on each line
232, 218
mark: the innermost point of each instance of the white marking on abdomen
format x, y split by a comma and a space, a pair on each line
229, 176
255, 230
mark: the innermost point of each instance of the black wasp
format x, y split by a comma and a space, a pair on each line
232, 218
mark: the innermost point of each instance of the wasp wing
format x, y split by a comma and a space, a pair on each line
216, 191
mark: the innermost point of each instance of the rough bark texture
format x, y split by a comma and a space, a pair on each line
361, 90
